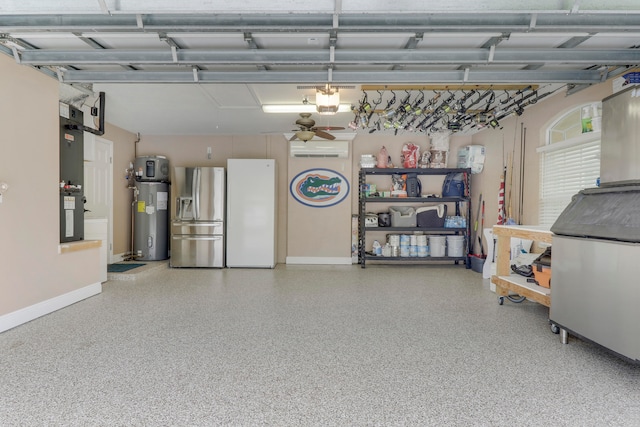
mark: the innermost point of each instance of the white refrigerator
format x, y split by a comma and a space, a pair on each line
251, 213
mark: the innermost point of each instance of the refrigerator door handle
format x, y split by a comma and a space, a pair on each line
194, 190
194, 237
197, 193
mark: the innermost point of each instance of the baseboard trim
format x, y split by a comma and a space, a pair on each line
118, 258
27, 314
319, 260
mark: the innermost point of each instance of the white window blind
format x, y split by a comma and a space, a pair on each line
565, 170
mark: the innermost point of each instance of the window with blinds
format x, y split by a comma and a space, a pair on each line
570, 162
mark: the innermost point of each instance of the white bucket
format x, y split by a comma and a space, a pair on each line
437, 245
455, 245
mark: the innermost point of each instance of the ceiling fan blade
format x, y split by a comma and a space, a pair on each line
329, 128
293, 137
323, 134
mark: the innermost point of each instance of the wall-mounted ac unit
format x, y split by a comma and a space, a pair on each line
319, 148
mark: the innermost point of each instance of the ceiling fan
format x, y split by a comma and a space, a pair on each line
308, 129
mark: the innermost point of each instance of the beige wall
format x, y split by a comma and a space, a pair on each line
324, 232
191, 150
32, 269
503, 145
296, 238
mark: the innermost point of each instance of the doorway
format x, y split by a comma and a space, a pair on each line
98, 184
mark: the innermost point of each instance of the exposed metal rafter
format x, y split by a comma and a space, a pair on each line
340, 57
559, 21
374, 46
351, 77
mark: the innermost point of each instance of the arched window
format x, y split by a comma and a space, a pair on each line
570, 160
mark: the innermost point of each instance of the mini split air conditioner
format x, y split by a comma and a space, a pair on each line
318, 148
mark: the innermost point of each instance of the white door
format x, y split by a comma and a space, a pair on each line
98, 184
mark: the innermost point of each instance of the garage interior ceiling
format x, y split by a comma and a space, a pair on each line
207, 66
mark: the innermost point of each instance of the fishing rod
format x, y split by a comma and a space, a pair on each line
375, 105
537, 98
441, 110
402, 111
416, 111
387, 113
427, 110
482, 96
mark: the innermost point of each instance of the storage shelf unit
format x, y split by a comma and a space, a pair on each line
462, 208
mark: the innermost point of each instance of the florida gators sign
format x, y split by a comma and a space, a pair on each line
319, 188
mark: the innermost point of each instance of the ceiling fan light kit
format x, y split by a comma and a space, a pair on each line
305, 135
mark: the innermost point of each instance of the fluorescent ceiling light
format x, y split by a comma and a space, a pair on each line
299, 108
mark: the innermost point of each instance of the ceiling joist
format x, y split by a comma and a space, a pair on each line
338, 77
505, 22
339, 57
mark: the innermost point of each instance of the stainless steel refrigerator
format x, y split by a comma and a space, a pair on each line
197, 217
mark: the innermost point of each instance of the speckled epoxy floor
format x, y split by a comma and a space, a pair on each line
307, 346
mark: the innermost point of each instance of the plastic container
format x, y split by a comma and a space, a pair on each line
405, 245
423, 251
413, 251
402, 216
422, 246
437, 246
404, 250
477, 263
431, 216
393, 239
455, 246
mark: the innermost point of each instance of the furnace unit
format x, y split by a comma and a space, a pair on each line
71, 174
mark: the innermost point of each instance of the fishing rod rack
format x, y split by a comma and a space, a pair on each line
441, 108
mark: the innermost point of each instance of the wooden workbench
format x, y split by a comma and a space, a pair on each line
504, 279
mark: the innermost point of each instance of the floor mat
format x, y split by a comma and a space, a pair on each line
121, 268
